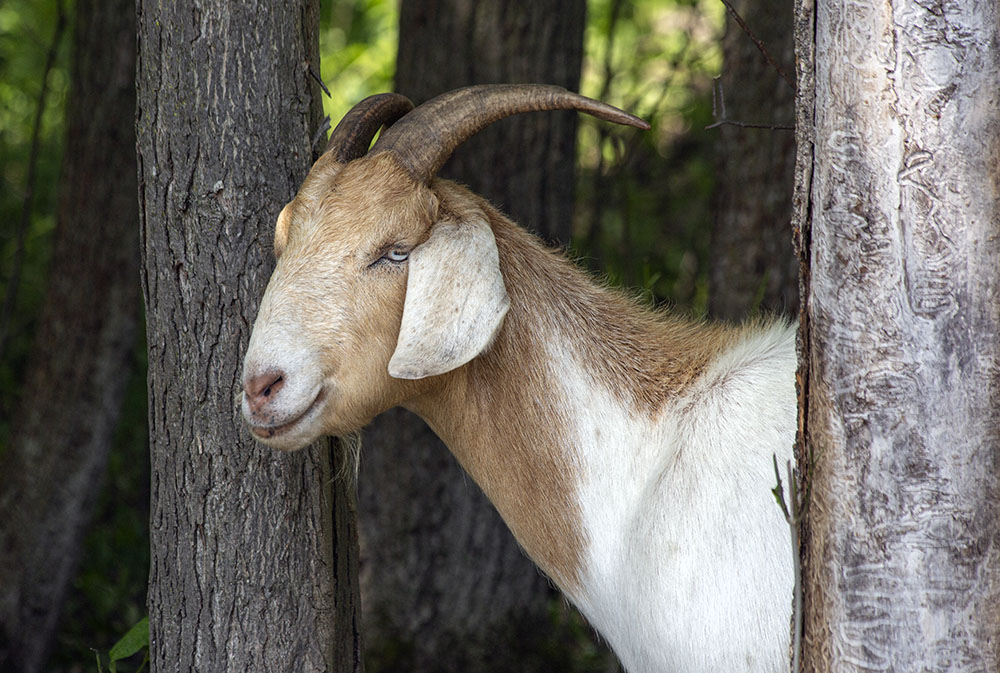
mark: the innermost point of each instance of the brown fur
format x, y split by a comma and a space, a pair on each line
645, 356
502, 414
324, 286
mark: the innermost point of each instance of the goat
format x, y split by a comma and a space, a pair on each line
628, 451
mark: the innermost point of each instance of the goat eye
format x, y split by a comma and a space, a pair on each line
397, 255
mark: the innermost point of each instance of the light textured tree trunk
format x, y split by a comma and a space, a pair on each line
82, 354
250, 548
753, 265
445, 586
900, 200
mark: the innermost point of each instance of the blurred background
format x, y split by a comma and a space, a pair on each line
693, 215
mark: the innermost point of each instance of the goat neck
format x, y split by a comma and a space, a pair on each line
630, 454
512, 417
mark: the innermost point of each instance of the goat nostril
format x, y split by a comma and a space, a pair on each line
260, 388
273, 387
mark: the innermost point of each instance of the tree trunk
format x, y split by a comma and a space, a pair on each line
250, 548
902, 547
445, 586
82, 354
753, 264
525, 164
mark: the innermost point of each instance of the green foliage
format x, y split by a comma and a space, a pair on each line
358, 41
133, 642
27, 28
644, 199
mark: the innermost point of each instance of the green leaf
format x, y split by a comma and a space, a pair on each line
136, 639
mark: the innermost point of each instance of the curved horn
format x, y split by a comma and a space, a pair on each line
355, 131
426, 137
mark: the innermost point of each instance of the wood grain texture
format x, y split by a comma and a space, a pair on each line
903, 551
245, 574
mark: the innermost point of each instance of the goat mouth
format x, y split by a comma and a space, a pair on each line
271, 431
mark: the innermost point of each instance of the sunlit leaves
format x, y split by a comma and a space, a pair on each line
358, 45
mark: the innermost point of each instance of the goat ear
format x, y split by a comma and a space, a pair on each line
281, 230
455, 300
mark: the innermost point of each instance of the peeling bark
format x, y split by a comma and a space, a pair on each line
245, 574
903, 548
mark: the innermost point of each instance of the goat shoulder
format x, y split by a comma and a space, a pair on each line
630, 453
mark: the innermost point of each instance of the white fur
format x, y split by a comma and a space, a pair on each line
275, 345
687, 563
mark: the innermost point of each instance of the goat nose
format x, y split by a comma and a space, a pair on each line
261, 389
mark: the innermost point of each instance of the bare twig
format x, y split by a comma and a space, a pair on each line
718, 99
322, 84
719, 112
14, 280
794, 520
760, 45
797, 565
320, 132
748, 125
600, 189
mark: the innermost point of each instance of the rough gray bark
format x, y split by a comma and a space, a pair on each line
82, 354
901, 200
753, 264
250, 548
445, 586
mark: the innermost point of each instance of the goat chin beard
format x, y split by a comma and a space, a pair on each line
347, 449
282, 442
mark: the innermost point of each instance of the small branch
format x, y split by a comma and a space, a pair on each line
797, 565
320, 132
758, 43
599, 186
748, 125
779, 490
322, 84
793, 518
718, 99
14, 280
719, 112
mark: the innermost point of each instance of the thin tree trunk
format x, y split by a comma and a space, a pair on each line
82, 354
445, 586
250, 548
753, 264
902, 552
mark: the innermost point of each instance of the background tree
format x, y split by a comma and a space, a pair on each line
446, 588
244, 572
642, 212
644, 199
897, 203
83, 348
753, 263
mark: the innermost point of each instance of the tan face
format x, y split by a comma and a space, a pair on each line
329, 319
